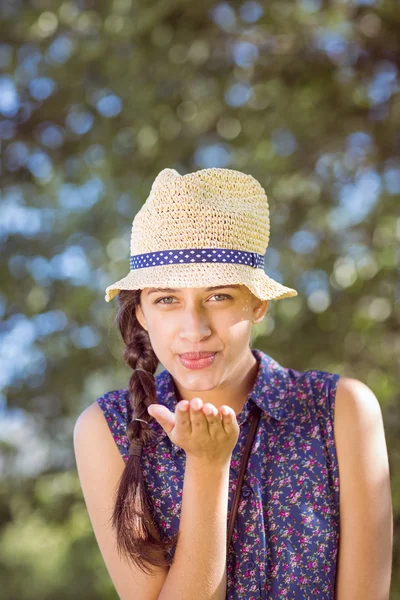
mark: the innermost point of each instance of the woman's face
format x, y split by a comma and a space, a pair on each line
217, 319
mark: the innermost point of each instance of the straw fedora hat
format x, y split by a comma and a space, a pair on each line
202, 229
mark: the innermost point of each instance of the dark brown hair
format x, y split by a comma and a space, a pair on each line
138, 539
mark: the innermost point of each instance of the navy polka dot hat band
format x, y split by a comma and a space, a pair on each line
206, 228
197, 255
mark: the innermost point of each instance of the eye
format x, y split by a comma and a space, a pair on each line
223, 296
159, 301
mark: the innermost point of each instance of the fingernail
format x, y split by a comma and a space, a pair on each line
196, 403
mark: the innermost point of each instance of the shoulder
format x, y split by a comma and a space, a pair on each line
355, 405
91, 435
358, 424
93, 429
89, 423
108, 414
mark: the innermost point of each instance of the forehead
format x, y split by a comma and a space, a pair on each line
200, 290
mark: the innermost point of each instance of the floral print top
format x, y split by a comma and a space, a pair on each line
285, 540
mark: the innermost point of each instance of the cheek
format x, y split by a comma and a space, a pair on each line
236, 326
162, 328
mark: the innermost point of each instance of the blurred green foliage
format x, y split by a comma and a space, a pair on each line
95, 99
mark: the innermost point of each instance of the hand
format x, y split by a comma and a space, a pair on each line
211, 437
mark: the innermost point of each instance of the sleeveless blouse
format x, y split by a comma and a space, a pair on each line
285, 540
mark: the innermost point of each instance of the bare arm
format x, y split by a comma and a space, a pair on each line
366, 521
198, 571
100, 466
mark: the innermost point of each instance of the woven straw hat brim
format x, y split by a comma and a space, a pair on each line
204, 275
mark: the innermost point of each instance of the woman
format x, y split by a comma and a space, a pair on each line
315, 516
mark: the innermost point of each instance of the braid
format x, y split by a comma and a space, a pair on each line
136, 533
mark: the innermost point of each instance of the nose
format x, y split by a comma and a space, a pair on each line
195, 325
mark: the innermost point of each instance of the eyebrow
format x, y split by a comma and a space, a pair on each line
209, 289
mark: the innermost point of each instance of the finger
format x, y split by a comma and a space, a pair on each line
163, 416
228, 415
212, 415
197, 418
182, 415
